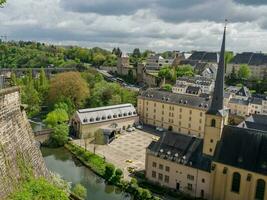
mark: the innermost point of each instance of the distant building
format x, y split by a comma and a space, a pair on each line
119, 117
205, 84
257, 62
155, 62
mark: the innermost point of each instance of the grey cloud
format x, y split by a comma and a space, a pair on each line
251, 2
105, 7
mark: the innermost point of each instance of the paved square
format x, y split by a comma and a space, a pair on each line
128, 146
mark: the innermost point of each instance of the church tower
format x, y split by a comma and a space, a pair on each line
216, 116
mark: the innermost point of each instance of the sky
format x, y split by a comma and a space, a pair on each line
157, 25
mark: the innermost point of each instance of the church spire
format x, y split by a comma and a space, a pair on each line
218, 94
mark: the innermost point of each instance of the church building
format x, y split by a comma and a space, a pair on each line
223, 162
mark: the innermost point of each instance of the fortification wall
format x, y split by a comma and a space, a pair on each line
19, 153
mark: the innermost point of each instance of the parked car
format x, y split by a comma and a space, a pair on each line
159, 129
129, 129
139, 127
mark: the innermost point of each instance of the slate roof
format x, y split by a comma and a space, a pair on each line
258, 119
204, 56
239, 101
174, 98
243, 148
180, 148
193, 90
250, 58
107, 113
256, 100
244, 91
200, 80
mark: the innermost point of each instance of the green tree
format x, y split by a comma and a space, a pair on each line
165, 72
244, 72
80, 191
2, 2
167, 87
136, 53
109, 171
38, 189
57, 116
59, 136
184, 70
68, 85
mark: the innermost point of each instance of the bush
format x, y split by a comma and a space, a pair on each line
80, 191
59, 136
109, 171
38, 189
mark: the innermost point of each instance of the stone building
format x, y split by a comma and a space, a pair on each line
18, 149
118, 117
225, 162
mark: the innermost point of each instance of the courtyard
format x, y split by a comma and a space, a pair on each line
126, 151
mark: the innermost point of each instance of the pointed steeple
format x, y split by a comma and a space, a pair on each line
218, 94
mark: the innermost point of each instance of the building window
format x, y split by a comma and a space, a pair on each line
189, 125
190, 177
154, 110
160, 177
210, 150
203, 180
190, 112
200, 121
167, 168
180, 116
236, 182
200, 114
211, 141
190, 118
202, 194
260, 189
160, 166
166, 179
213, 123
154, 174
181, 109
154, 164
162, 105
163, 112
190, 186
154, 104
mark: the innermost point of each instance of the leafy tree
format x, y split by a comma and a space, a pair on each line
68, 85
59, 136
98, 59
117, 52
2, 2
80, 191
165, 72
184, 70
109, 171
38, 189
57, 116
136, 53
244, 72
167, 87
228, 56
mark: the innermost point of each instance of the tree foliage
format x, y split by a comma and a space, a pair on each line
57, 116
80, 191
184, 70
69, 85
244, 72
59, 136
36, 189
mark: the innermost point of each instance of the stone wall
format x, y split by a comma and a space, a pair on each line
19, 153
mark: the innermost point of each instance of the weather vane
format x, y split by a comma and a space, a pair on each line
225, 23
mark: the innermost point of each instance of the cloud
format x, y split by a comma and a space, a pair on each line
147, 24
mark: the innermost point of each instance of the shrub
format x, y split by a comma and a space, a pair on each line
109, 171
80, 191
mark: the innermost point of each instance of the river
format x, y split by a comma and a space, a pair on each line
62, 162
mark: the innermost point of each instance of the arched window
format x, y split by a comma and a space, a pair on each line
260, 188
213, 123
236, 182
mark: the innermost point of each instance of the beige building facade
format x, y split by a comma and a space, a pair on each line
174, 112
86, 122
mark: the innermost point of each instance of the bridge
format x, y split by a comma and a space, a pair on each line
6, 72
43, 135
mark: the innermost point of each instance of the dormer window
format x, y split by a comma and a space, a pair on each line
114, 116
109, 116
85, 120
120, 115
92, 119
97, 119
130, 113
103, 117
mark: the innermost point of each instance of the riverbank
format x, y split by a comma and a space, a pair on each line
100, 167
